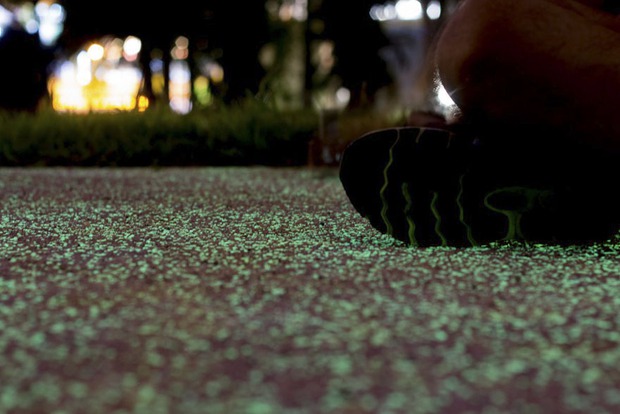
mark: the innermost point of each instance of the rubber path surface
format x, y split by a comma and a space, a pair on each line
257, 290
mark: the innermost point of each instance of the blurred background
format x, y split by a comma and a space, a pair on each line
77, 56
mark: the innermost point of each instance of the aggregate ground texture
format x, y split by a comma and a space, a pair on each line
256, 290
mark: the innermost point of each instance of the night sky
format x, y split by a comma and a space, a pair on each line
145, 19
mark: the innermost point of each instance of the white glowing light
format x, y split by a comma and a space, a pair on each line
409, 10
51, 18
121, 88
84, 74
66, 71
180, 87
389, 12
132, 46
95, 52
41, 9
31, 26
179, 72
56, 12
5, 18
343, 96
433, 10
444, 97
383, 12
376, 13
300, 10
444, 103
48, 33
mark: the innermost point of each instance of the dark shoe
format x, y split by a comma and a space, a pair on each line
434, 187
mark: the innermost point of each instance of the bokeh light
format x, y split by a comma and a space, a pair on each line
409, 10
45, 18
51, 17
180, 87
6, 17
406, 10
95, 52
180, 50
433, 10
105, 75
287, 10
102, 76
131, 48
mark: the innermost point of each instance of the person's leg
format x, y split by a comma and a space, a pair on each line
538, 82
547, 64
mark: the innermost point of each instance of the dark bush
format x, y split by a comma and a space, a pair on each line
244, 134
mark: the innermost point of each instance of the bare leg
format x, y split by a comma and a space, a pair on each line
549, 64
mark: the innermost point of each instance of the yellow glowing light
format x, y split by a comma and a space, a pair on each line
67, 96
201, 90
95, 52
143, 103
216, 73
74, 88
158, 83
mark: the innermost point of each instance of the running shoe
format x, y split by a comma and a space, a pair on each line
437, 187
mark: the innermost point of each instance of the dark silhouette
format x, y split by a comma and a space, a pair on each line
358, 41
238, 32
23, 71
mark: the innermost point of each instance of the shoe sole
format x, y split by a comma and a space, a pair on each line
431, 187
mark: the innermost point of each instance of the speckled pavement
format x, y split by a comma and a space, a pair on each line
259, 290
